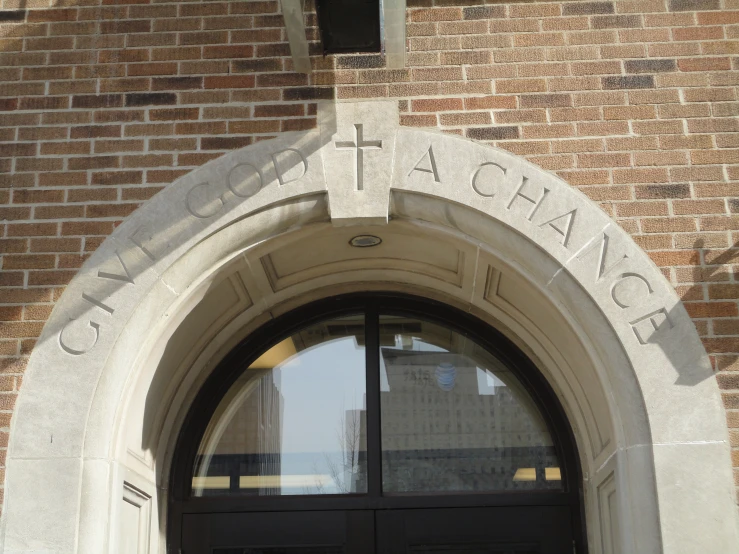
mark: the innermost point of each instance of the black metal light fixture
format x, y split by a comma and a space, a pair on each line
349, 25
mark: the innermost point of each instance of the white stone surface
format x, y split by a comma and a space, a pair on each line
359, 139
614, 329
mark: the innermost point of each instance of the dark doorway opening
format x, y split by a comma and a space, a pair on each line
376, 423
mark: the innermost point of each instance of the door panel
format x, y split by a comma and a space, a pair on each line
328, 532
510, 530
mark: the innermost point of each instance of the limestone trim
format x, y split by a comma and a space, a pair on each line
497, 235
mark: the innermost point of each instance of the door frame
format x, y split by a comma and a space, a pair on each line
372, 304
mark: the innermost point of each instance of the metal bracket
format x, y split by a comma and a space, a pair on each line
393, 15
292, 11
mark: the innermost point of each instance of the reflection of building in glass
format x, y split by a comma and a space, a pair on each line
355, 458
250, 444
449, 426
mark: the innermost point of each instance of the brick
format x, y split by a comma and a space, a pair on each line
465, 118
416, 120
698, 33
279, 110
150, 69
97, 101
448, 28
535, 10
17, 149
548, 131
176, 83
663, 127
641, 209
437, 105
538, 39
95, 131
29, 261
645, 175
693, 5
224, 143
199, 128
174, 114
650, 66
228, 51
616, 21
229, 81
257, 65
723, 291
698, 207
628, 82
605, 160
44, 103
521, 116
13, 329
662, 191
482, 12
723, 156
57, 212
615, 144
493, 133
725, 17
125, 26
281, 80
711, 309
33, 196
489, 102
12, 15
360, 62
629, 112
93, 162
12, 214
675, 111
13, 246
719, 223
439, 14
254, 127
704, 64
298, 124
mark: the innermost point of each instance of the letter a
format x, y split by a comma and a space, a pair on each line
432, 163
567, 228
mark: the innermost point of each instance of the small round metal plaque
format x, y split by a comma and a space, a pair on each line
365, 241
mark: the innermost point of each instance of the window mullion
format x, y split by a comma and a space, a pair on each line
374, 440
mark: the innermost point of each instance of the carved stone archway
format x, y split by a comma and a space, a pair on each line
105, 389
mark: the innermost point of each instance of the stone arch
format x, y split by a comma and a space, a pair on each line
471, 225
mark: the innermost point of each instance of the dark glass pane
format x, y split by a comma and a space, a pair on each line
454, 418
488, 548
282, 550
294, 422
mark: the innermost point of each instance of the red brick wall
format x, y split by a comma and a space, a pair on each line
634, 102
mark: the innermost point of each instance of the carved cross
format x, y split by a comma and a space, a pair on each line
359, 145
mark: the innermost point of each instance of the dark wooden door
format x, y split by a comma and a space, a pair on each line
508, 530
303, 532
479, 530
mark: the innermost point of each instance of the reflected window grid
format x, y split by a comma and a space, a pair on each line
453, 418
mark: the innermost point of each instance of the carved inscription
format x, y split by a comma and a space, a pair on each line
70, 344
478, 186
427, 164
623, 301
627, 290
282, 160
656, 320
521, 193
206, 200
82, 349
359, 146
